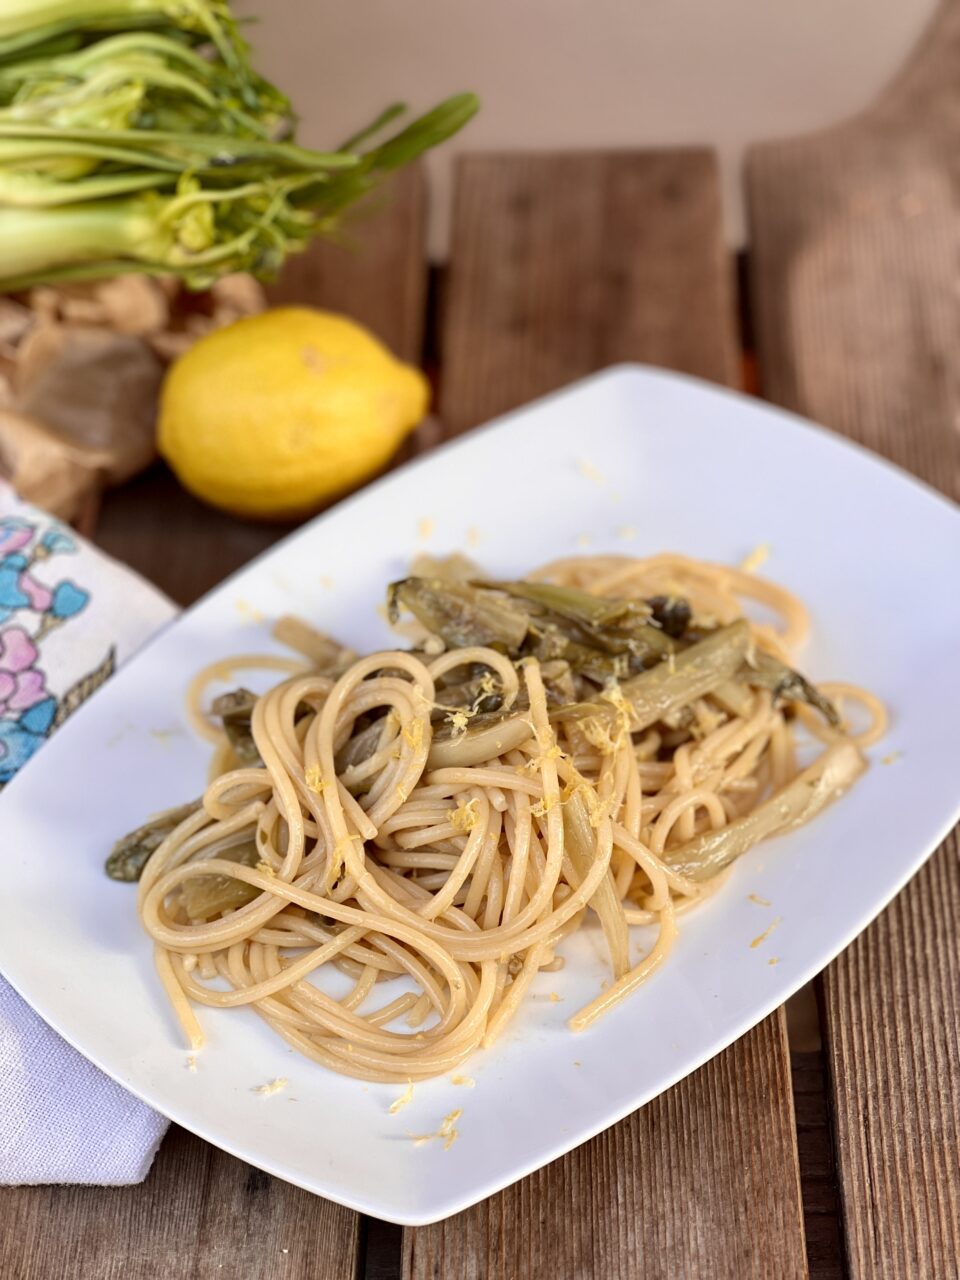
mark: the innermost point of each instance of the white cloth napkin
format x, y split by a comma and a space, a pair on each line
68, 617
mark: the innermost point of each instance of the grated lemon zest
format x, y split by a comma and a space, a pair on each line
765, 935
543, 807
272, 1087
535, 763
466, 816
598, 735
756, 559
590, 472
401, 1102
315, 780
458, 720
487, 684
447, 1131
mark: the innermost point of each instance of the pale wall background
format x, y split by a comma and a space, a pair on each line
588, 73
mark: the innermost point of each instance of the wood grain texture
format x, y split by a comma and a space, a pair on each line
201, 1215
854, 240
375, 270
855, 237
183, 546
892, 1012
701, 1182
704, 1180
561, 264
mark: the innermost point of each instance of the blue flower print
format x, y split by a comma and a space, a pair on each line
28, 711
68, 599
57, 541
19, 739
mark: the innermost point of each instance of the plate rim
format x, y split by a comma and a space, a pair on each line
442, 1207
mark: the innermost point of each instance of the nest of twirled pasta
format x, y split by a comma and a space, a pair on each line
599, 741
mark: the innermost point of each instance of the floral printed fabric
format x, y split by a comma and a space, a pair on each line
68, 616
27, 708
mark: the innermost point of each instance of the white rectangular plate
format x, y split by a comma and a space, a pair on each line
632, 461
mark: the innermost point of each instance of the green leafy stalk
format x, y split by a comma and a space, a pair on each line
793, 806
26, 24
136, 136
402, 149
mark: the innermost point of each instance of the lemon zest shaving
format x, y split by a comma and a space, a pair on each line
405, 1097
765, 935
466, 815
756, 559
459, 717
543, 807
458, 720
315, 780
272, 1087
536, 763
487, 684
447, 1131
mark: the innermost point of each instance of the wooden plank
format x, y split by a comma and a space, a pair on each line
700, 1183
201, 1215
179, 543
855, 234
550, 279
892, 1010
377, 276
645, 274
369, 271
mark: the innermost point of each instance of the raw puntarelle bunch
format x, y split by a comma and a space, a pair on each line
136, 136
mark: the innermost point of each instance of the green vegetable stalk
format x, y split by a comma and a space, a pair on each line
135, 135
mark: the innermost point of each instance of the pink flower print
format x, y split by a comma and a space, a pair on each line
40, 597
21, 684
14, 535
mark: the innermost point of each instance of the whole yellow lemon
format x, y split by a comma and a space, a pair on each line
280, 412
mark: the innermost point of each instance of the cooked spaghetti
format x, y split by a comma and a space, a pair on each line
599, 742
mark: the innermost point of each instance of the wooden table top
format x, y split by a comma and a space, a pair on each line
839, 1159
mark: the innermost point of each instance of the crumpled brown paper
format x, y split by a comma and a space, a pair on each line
81, 369
38, 461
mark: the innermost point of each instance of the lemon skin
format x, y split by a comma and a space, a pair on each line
279, 413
